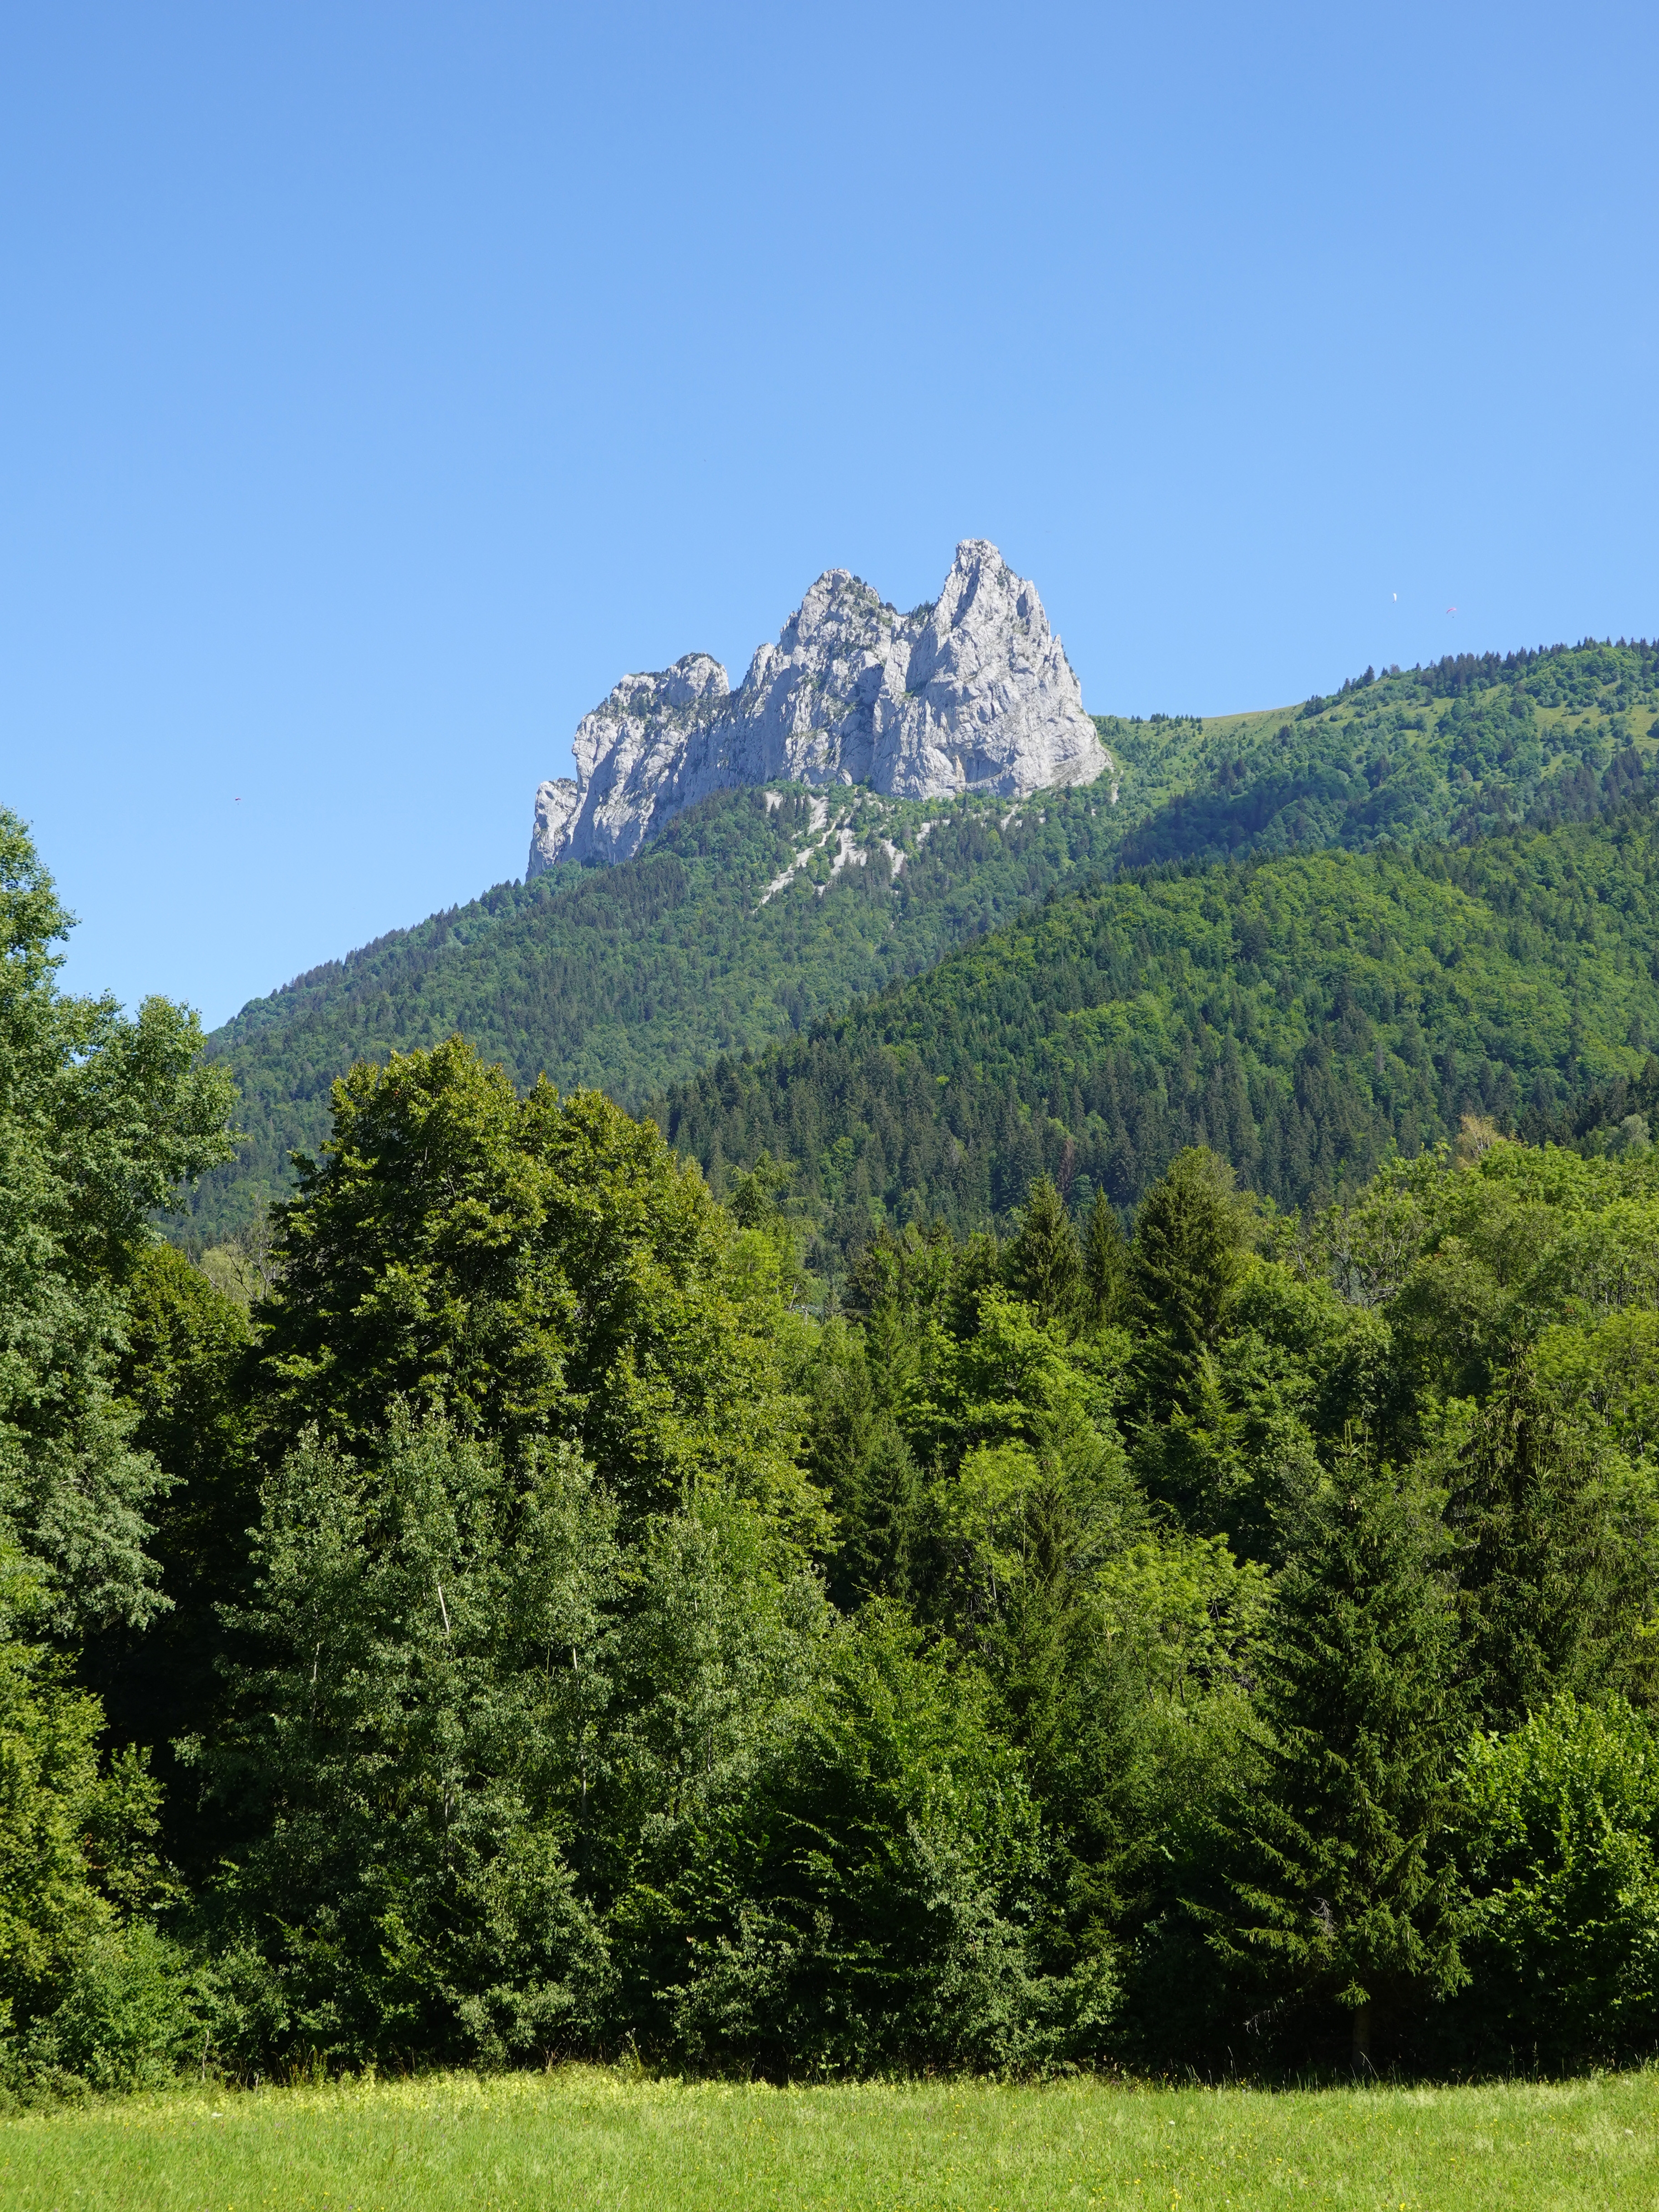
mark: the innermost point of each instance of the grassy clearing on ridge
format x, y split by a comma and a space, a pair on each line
590, 2137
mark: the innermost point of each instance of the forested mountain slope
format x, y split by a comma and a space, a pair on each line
631, 979
754, 915
1302, 1015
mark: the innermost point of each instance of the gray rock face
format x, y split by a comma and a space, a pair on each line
971, 694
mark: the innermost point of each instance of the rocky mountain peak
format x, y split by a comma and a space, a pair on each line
973, 693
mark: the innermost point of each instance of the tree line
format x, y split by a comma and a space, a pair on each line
532, 1618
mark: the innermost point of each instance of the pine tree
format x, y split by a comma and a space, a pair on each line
1340, 1888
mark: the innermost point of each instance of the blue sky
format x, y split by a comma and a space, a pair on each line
380, 383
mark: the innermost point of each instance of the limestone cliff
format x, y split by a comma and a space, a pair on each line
971, 694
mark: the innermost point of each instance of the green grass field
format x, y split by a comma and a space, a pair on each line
590, 2138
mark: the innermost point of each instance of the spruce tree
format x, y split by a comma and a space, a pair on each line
1190, 1240
1340, 1887
1043, 1264
1545, 1581
1105, 1264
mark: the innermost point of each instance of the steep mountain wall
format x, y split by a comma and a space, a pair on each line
973, 693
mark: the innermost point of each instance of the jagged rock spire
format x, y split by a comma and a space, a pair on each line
973, 693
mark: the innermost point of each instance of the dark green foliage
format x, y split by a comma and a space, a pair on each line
412, 1749
1106, 1276
1304, 1019
1342, 1887
872, 1899
1547, 1580
1190, 1240
183, 1374
860, 1457
629, 977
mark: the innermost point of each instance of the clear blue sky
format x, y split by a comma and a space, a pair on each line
380, 382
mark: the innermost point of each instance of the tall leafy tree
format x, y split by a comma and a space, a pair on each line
102, 1119
530, 1267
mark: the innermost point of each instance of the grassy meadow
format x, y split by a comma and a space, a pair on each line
585, 2136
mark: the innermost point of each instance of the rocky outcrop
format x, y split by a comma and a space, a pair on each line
973, 693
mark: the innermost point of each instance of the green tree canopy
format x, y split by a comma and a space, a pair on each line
102, 1119
530, 1267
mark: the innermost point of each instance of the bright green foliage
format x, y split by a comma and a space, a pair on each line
1471, 1266
1305, 1018
1468, 747
129, 2015
76, 1836
1341, 1881
1606, 1377
101, 1119
1562, 1934
526, 1266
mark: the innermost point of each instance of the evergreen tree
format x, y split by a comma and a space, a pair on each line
1043, 1264
1190, 1249
1105, 1265
1548, 1585
859, 1458
1340, 1888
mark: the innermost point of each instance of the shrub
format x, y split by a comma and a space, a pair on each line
1563, 1917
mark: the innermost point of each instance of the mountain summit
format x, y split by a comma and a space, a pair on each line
973, 693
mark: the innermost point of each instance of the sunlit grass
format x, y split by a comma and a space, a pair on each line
587, 2137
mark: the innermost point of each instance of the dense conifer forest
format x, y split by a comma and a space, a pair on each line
1306, 1016
524, 1604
